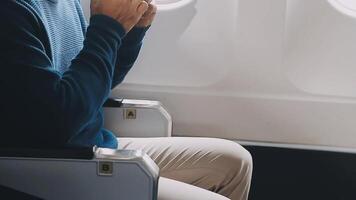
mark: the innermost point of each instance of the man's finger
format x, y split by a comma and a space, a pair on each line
148, 1
154, 9
148, 17
149, 11
142, 7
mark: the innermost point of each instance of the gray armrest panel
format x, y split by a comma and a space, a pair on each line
150, 118
59, 153
133, 176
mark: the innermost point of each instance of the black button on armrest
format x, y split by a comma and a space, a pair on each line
113, 103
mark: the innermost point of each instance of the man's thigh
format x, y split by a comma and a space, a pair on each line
203, 162
174, 190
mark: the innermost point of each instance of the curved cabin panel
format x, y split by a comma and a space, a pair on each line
248, 74
320, 54
189, 45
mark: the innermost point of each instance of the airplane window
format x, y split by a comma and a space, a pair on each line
350, 4
166, 1
347, 7
319, 54
171, 4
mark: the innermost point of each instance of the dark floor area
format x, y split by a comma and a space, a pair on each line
289, 174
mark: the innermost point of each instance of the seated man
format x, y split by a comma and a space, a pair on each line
56, 73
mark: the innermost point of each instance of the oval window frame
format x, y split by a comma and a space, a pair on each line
343, 7
167, 5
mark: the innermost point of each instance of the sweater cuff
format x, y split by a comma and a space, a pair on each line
108, 23
135, 36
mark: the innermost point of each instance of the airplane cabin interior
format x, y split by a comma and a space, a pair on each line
276, 77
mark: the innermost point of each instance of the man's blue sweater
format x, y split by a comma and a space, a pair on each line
56, 73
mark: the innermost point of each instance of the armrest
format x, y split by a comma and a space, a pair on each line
137, 118
88, 174
64, 153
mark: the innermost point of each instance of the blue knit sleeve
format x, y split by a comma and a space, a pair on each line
128, 54
54, 107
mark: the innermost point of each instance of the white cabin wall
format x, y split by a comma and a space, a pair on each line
239, 69
320, 47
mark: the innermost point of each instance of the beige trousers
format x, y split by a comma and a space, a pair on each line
197, 168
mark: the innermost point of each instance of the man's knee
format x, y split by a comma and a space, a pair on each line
244, 158
234, 159
246, 161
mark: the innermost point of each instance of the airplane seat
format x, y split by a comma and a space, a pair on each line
84, 173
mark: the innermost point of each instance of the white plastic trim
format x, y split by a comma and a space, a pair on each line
153, 105
167, 5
